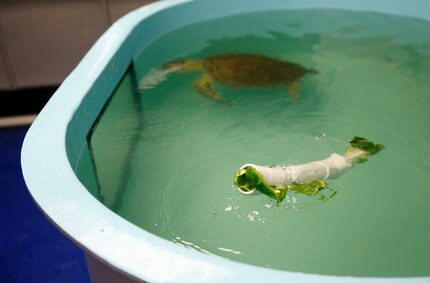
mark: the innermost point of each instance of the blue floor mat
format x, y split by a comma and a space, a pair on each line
31, 249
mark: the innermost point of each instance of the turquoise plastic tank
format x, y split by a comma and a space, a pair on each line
116, 250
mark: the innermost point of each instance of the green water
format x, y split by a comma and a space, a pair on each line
165, 157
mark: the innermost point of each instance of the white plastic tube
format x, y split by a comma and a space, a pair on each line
331, 167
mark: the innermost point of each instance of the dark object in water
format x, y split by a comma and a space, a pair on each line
242, 70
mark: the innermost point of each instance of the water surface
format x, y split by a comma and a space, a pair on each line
165, 156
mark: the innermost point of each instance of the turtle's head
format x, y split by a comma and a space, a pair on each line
184, 65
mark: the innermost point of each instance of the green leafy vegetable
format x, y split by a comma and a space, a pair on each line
366, 145
360, 148
249, 179
309, 189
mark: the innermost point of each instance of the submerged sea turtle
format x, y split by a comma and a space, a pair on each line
242, 70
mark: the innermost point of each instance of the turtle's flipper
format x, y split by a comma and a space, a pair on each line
294, 89
184, 65
205, 87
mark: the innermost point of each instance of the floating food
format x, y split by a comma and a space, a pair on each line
309, 178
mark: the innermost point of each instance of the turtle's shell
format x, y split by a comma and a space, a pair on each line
248, 70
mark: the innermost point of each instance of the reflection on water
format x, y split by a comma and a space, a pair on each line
116, 146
